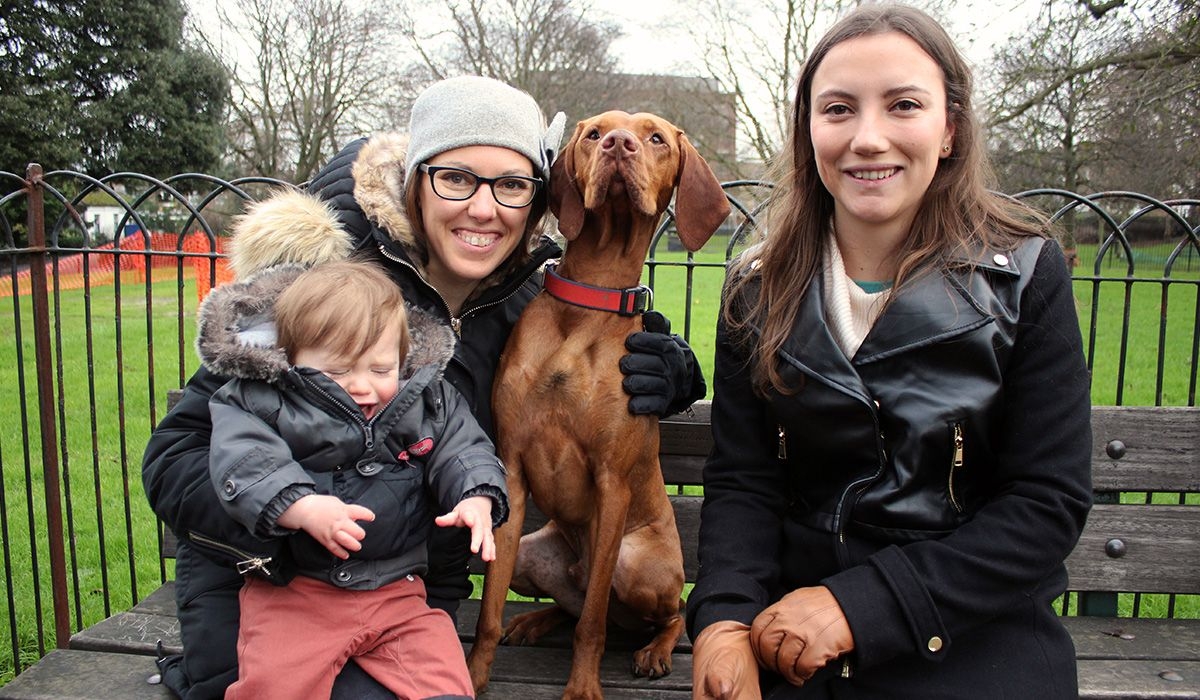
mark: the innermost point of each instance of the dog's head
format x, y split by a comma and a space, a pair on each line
633, 162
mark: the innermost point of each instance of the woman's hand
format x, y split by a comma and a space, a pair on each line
476, 513
723, 664
330, 521
801, 633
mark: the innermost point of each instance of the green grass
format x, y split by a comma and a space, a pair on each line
103, 473
99, 450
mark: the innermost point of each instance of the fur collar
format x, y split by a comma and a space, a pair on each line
235, 337
379, 186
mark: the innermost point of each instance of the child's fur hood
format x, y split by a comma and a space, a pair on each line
293, 226
235, 337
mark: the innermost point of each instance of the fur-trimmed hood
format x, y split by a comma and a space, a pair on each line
235, 337
294, 226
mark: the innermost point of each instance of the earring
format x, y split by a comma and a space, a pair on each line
946, 148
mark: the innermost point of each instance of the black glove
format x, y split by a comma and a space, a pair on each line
662, 376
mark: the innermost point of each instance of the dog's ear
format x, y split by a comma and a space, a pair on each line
565, 200
700, 203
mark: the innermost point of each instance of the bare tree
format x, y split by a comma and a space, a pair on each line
557, 50
321, 72
1047, 140
1100, 96
754, 52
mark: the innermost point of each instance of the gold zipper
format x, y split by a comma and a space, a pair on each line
955, 465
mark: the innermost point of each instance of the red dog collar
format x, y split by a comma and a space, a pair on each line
626, 302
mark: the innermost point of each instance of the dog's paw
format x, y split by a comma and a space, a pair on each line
651, 663
527, 628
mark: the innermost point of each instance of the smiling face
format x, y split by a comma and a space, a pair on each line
372, 379
879, 127
470, 238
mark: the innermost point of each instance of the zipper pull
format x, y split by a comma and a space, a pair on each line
955, 465
846, 670
253, 564
456, 326
782, 443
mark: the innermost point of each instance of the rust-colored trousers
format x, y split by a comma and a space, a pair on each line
293, 641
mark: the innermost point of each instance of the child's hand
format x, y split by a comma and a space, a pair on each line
330, 521
476, 513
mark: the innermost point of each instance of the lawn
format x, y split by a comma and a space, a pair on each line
140, 345
112, 544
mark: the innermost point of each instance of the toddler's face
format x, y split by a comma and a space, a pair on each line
371, 379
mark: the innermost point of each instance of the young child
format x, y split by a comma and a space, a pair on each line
334, 437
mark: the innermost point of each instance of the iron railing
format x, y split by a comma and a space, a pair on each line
97, 331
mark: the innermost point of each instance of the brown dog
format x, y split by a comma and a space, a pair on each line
563, 429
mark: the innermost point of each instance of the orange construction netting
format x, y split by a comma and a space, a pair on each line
100, 265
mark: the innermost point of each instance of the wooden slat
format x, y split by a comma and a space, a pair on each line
1134, 639
69, 674
533, 674
130, 633
1161, 547
540, 666
1138, 680
502, 690
1162, 448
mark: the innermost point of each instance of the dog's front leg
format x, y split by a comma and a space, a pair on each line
496, 581
608, 528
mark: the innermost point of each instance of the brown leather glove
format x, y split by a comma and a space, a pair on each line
723, 665
801, 633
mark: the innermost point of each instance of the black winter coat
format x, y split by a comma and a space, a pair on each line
945, 561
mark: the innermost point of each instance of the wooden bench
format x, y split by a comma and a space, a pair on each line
1128, 547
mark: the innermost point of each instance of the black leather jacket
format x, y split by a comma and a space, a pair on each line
935, 482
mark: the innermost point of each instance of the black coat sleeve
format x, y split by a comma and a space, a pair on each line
175, 473
745, 497
334, 184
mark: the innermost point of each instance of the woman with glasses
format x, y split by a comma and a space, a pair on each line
455, 213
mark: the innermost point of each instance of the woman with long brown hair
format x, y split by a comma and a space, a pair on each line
886, 513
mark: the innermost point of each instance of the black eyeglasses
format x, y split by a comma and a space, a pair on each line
456, 184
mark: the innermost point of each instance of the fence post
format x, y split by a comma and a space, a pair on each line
48, 428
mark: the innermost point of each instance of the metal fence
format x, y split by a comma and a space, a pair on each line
97, 323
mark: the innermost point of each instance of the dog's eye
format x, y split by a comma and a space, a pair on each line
657, 138
594, 134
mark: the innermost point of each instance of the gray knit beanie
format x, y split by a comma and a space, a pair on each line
475, 111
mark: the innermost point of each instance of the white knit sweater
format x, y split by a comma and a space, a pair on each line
851, 310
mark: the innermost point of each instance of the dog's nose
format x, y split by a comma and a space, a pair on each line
619, 142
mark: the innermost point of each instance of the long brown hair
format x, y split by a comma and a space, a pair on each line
957, 210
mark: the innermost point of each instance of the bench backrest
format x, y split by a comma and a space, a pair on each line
1130, 546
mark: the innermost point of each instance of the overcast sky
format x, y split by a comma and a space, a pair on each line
656, 39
